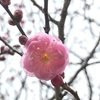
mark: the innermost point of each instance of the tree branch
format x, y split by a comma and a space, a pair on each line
47, 26
62, 20
13, 18
74, 93
10, 47
41, 9
85, 62
89, 83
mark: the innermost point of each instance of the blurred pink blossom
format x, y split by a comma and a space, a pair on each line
5, 2
45, 56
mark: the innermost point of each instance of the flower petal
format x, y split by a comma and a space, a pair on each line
43, 74
62, 58
31, 74
26, 64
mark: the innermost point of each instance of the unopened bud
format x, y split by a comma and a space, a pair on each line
18, 14
5, 50
57, 81
2, 48
5, 2
10, 52
16, 46
23, 39
2, 58
11, 22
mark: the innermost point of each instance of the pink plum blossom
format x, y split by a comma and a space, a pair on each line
45, 56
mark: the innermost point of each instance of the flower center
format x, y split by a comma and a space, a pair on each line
45, 57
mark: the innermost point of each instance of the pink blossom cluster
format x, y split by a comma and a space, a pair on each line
5, 2
45, 57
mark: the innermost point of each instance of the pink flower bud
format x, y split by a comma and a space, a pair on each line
57, 81
5, 50
10, 52
22, 22
18, 14
23, 39
11, 22
16, 46
5, 2
4, 38
2, 48
2, 58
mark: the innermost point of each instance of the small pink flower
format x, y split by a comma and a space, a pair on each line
45, 56
5, 2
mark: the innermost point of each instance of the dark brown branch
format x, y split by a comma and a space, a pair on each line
74, 93
47, 26
10, 47
62, 20
39, 7
53, 20
15, 21
85, 62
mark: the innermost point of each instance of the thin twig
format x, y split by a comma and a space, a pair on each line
22, 87
85, 62
89, 83
10, 47
41, 9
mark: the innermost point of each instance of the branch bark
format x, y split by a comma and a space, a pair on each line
47, 26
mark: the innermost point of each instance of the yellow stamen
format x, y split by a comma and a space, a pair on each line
45, 57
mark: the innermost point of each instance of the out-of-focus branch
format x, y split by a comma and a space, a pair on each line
97, 62
85, 62
10, 47
89, 83
23, 85
47, 26
62, 20
15, 21
43, 83
74, 93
